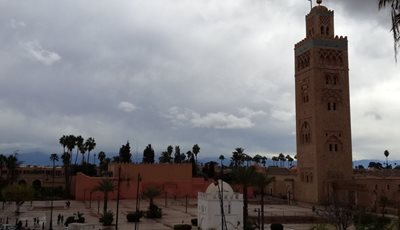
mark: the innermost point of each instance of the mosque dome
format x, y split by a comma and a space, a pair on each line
213, 188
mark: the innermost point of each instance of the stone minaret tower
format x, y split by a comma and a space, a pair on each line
322, 110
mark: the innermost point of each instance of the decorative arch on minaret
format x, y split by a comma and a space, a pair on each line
305, 133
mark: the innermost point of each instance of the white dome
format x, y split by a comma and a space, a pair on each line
213, 188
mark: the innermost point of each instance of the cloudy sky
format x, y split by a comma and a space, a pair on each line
219, 73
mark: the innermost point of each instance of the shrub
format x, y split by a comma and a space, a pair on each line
134, 216
276, 226
182, 227
76, 218
107, 218
154, 212
194, 221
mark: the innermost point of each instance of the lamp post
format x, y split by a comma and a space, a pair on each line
54, 158
139, 179
119, 183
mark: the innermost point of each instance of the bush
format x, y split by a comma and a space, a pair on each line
134, 216
76, 218
154, 212
107, 218
182, 227
194, 221
276, 226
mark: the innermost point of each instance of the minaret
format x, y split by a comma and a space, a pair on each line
323, 129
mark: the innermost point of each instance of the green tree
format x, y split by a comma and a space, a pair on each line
78, 144
238, 157
165, 157
290, 160
63, 142
18, 193
257, 158
90, 144
244, 176
196, 150
395, 15
82, 150
105, 186
125, 153
177, 156
148, 155
12, 163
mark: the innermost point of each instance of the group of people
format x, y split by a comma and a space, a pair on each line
60, 219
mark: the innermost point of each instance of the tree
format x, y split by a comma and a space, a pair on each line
90, 144
53, 158
177, 157
257, 158
12, 163
78, 144
3, 160
101, 156
151, 193
18, 193
264, 161
196, 150
375, 165
275, 160
261, 181
66, 159
105, 186
125, 153
339, 215
148, 155
290, 160
244, 176
165, 157
82, 149
386, 153
282, 159
63, 142
238, 157
395, 14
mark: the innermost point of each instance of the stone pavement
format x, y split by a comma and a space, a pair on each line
175, 212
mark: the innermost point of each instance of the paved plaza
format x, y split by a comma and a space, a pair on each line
175, 212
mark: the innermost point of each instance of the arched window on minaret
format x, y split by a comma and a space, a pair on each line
333, 144
322, 30
327, 30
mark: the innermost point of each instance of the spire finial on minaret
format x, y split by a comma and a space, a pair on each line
319, 2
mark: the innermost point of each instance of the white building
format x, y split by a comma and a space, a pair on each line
209, 207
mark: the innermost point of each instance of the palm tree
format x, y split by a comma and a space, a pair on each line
82, 150
79, 144
386, 153
101, 156
54, 158
66, 159
151, 193
90, 144
395, 14
196, 150
275, 159
261, 180
281, 159
105, 186
238, 157
290, 160
244, 176
63, 142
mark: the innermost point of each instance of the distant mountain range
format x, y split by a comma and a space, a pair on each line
39, 158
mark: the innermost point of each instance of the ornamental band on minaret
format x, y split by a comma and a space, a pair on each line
323, 129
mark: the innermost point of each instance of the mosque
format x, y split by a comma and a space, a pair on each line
324, 171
